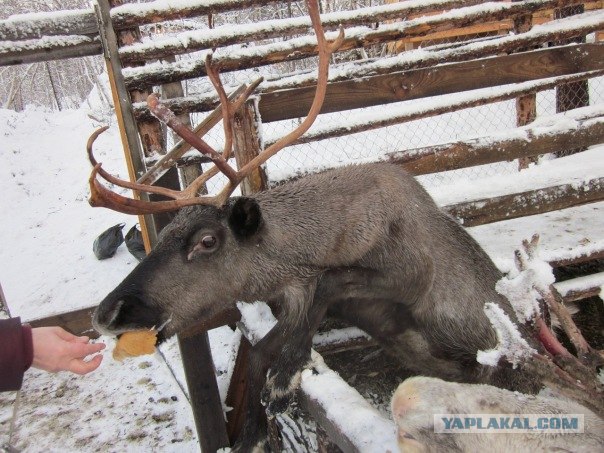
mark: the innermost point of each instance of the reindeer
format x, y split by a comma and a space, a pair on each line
418, 399
364, 243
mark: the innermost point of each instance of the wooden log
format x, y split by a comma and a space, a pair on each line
393, 117
582, 287
306, 47
505, 207
225, 36
576, 258
203, 392
21, 27
526, 142
354, 89
574, 95
434, 81
367, 431
246, 142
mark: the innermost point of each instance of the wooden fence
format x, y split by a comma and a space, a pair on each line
513, 58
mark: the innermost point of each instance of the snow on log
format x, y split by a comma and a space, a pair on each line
349, 420
241, 33
581, 287
488, 210
576, 128
304, 47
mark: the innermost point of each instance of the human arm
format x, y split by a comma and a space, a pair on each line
48, 348
55, 349
16, 353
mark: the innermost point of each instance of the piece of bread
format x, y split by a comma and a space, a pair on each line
135, 343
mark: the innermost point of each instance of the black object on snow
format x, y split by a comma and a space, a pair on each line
106, 244
134, 242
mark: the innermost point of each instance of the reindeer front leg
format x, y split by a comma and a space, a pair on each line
285, 349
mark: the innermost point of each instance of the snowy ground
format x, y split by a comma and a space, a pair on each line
47, 266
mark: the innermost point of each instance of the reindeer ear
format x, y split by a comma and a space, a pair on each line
245, 217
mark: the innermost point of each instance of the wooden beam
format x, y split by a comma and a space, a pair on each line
133, 152
353, 90
433, 81
525, 142
505, 207
305, 47
264, 30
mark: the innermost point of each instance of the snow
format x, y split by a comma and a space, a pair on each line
366, 427
510, 344
581, 283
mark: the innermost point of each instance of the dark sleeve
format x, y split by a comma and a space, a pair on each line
16, 353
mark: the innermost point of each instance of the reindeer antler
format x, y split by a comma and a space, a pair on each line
101, 196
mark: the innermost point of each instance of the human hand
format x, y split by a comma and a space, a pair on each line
55, 349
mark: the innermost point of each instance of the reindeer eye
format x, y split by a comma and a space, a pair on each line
208, 241
203, 243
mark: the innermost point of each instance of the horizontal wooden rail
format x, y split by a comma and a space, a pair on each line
398, 115
574, 129
505, 207
242, 33
580, 288
299, 48
434, 81
407, 77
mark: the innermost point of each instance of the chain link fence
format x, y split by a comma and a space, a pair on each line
372, 145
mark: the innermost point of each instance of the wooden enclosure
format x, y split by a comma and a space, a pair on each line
509, 50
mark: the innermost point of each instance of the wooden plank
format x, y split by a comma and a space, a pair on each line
353, 90
505, 207
203, 392
124, 113
238, 392
525, 142
305, 47
402, 115
426, 82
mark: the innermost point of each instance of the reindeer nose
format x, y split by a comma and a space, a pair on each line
105, 315
120, 313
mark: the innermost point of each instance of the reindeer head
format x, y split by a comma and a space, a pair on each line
207, 239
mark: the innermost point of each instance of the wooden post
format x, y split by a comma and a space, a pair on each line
526, 106
575, 94
124, 113
203, 392
246, 142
